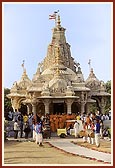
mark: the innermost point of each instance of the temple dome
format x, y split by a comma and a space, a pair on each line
58, 83
92, 82
22, 84
64, 70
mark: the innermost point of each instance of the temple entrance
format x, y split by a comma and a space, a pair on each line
75, 108
23, 109
58, 108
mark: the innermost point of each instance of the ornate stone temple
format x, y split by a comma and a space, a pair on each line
58, 86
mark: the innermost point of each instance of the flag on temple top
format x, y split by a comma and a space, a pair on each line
52, 16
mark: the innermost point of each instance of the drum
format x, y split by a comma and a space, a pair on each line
82, 133
92, 135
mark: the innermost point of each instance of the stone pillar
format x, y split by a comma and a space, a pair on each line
102, 104
34, 108
69, 103
46, 104
34, 103
15, 104
87, 108
83, 102
102, 109
29, 109
82, 107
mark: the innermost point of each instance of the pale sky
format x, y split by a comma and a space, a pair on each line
27, 31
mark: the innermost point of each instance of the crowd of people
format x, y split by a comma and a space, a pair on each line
23, 125
29, 125
93, 127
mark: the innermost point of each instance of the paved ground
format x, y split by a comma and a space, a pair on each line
67, 146
56, 151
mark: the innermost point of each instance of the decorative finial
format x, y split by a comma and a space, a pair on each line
92, 75
91, 70
24, 70
23, 64
89, 65
58, 21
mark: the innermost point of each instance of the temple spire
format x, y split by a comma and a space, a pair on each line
58, 60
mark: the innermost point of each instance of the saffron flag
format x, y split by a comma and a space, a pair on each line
52, 16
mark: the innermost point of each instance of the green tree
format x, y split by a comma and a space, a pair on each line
7, 102
108, 90
93, 107
108, 86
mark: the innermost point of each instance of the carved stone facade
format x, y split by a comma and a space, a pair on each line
58, 82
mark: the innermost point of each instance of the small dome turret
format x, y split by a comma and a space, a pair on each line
92, 82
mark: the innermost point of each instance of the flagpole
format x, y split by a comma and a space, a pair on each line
54, 16
55, 20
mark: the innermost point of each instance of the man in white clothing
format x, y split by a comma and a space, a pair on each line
76, 128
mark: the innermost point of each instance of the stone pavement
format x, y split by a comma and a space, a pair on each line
66, 145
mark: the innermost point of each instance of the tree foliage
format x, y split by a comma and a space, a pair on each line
108, 87
94, 107
108, 90
7, 101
